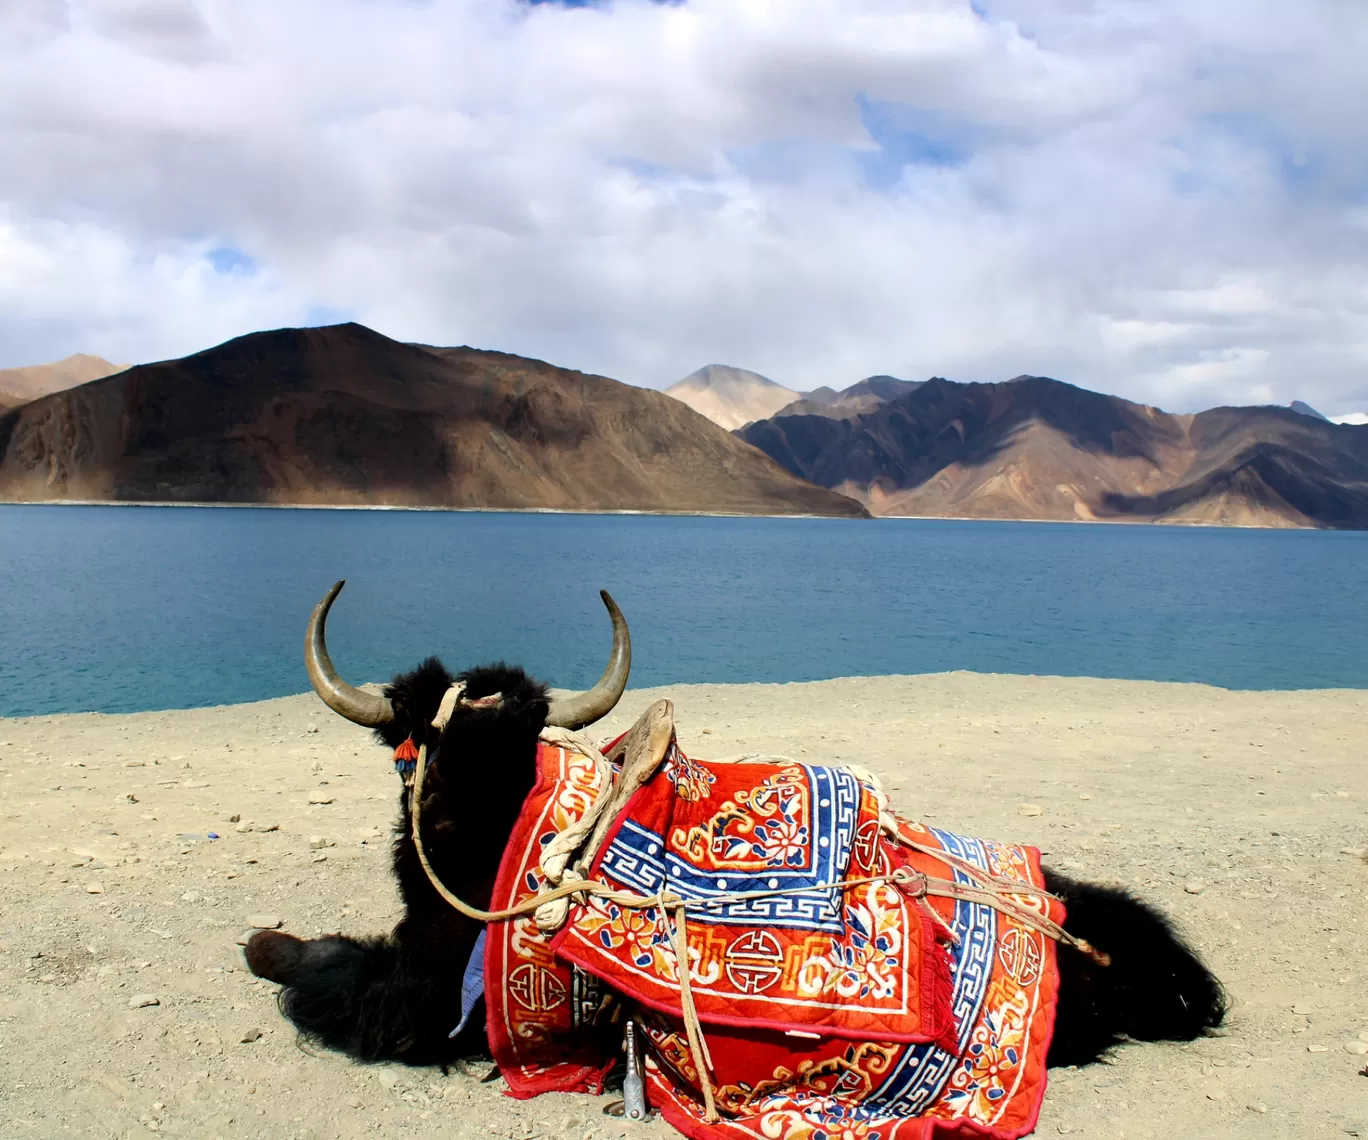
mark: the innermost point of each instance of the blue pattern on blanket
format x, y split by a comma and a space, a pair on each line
923, 1069
637, 858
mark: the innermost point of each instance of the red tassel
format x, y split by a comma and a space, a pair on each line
406, 752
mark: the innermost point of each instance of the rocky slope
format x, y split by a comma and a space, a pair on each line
343, 415
19, 385
1037, 448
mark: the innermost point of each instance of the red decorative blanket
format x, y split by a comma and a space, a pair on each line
903, 1032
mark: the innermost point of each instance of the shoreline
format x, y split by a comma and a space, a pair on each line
869, 517
1137, 684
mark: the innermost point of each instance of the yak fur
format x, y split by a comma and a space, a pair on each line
398, 997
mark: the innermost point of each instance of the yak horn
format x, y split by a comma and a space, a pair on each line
366, 709
585, 708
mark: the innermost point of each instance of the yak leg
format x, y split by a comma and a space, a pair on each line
329, 983
380, 999
1156, 988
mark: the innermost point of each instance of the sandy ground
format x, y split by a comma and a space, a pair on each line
1242, 814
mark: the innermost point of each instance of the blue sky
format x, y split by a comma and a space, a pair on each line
1168, 200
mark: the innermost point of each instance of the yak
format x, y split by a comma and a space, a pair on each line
396, 997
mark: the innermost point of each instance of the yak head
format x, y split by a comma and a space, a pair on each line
480, 730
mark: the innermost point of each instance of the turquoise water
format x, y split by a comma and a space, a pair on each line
120, 609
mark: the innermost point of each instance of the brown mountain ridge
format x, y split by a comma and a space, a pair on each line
343, 415
1037, 448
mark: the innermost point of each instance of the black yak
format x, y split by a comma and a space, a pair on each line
398, 996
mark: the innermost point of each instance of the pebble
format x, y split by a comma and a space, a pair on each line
1317, 1049
94, 888
142, 1001
317, 842
1194, 886
1302, 1009
236, 817
265, 921
1257, 1106
391, 1077
1029, 809
312, 728
1358, 1048
1356, 852
190, 896
320, 798
1363, 1035
250, 1036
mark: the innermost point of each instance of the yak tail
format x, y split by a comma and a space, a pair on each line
1155, 989
352, 995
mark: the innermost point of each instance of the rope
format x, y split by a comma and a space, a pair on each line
693, 1027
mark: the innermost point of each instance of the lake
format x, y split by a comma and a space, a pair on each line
118, 609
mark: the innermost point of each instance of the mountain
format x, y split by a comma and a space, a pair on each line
864, 396
1037, 448
1356, 418
731, 397
343, 415
18, 385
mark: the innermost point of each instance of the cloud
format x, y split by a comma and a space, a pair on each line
1165, 200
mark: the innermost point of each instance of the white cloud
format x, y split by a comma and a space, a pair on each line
1163, 199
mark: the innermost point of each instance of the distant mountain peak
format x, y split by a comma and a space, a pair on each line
726, 376
1305, 409
883, 387
731, 397
33, 381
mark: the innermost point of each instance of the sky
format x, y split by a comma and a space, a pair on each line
1164, 199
